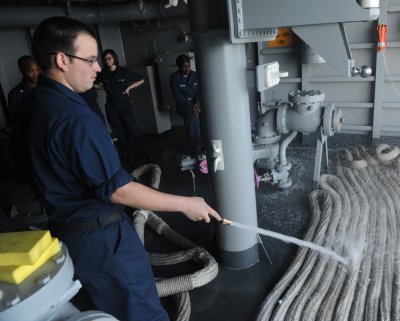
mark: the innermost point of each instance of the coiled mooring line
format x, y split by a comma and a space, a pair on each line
357, 214
177, 286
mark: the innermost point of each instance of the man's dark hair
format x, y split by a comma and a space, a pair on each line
24, 62
181, 60
112, 53
56, 34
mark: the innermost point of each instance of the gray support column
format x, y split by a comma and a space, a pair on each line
379, 79
222, 74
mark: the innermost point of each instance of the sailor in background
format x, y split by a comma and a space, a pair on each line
30, 71
184, 87
118, 81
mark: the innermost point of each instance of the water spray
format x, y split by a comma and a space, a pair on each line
288, 239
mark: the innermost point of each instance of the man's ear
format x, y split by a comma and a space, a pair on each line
60, 61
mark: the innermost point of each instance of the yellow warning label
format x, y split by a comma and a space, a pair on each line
283, 39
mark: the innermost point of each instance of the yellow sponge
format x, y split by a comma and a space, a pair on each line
20, 248
16, 274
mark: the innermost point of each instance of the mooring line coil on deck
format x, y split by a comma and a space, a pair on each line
357, 214
178, 285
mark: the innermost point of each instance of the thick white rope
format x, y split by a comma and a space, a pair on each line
357, 212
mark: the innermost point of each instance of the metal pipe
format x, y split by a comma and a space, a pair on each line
266, 129
306, 114
308, 122
283, 148
270, 152
12, 16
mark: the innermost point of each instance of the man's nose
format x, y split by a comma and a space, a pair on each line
96, 66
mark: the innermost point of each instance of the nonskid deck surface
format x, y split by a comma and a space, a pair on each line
237, 295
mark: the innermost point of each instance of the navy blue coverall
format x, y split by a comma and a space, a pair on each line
119, 109
16, 96
186, 95
75, 170
90, 97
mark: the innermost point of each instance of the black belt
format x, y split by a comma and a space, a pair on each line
81, 226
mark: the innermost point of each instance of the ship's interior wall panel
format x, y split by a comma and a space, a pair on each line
138, 44
355, 96
110, 37
143, 42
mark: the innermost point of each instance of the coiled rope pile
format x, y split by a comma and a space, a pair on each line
179, 286
357, 214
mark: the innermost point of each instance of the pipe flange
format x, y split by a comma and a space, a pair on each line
327, 126
337, 120
281, 118
285, 184
332, 120
281, 168
307, 96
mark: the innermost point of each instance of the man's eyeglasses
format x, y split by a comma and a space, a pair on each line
91, 61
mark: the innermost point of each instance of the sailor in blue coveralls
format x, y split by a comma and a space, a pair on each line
30, 71
184, 87
77, 174
118, 82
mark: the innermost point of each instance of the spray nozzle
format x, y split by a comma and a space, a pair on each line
225, 221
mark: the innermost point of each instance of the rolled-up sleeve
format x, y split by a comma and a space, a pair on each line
105, 190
